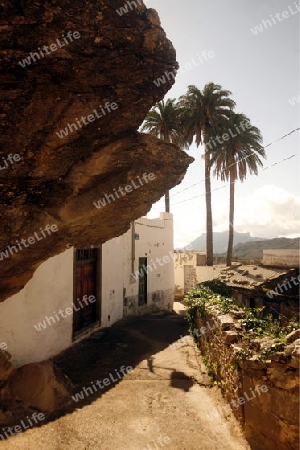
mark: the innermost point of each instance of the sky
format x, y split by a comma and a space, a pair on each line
261, 69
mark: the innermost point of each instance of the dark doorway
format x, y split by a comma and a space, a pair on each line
86, 313
142, 281
252, 303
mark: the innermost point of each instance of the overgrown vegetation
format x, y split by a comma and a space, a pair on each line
256, 325
216, 295
208, 293
218, 287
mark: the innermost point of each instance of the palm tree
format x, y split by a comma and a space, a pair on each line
201, 114
234, 157
162, 121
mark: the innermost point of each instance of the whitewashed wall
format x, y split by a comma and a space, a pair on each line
51, 289
120, 288
281, 258
155, 241
113, 255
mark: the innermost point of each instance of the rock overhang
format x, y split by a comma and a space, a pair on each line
56, 179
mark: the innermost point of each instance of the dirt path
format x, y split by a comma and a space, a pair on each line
164, 403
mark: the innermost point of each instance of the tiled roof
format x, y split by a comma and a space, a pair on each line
248, 277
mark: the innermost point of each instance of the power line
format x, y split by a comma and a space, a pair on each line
268, 145
227, 184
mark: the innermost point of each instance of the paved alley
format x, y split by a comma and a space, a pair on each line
165, 402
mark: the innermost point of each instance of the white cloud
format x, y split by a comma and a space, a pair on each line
269, 211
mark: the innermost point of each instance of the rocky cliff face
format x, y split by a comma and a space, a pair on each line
77, 82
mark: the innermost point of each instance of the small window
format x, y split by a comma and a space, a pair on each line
86, 254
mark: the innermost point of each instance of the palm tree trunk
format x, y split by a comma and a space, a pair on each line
209, 224
167, 201
231, 218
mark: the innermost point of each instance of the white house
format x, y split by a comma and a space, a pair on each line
82, 290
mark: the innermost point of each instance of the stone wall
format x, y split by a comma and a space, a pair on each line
262, 394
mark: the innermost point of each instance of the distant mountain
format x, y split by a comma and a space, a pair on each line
254, 250
221, 241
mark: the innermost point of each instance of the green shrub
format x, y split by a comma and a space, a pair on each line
257, 326
218, 286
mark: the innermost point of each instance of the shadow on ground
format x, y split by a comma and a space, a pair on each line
126, 343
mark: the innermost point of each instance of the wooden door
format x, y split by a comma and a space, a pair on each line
86, 266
